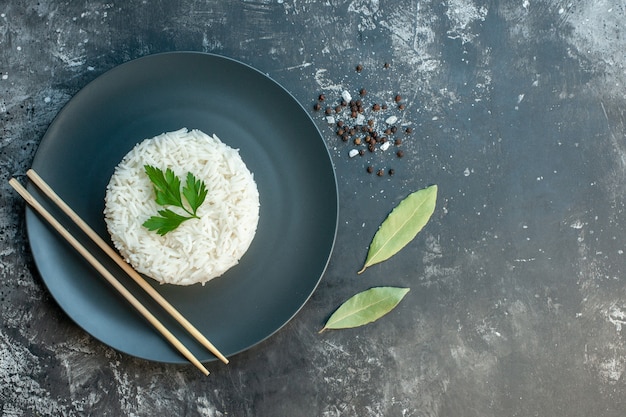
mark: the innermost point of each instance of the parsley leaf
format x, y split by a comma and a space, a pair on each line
195, 192
167, 191
166, 186
165, 222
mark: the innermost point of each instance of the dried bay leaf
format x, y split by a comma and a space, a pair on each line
402, 225
365, 307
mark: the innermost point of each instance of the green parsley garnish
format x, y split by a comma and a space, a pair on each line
167, 191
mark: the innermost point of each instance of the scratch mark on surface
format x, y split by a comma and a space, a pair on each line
303, 65
70, 62
617, 317
324, 83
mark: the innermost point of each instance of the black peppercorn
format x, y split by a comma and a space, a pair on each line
376, 107
400, 154
357, 141
317, 106
370, 169
398, 98
380, 172
398, 142
401, 106
322, 97
359, 68
362, 92
408, 130
361, 152
386, 65
394, 129
392, 171
328, 110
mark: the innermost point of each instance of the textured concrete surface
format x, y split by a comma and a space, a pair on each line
518, 296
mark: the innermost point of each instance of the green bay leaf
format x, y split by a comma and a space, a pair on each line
402, 225
365, 307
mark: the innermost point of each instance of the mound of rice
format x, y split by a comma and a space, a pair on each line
199, 249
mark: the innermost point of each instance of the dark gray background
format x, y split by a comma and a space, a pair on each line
517, 301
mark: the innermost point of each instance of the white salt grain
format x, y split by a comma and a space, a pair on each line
391, 120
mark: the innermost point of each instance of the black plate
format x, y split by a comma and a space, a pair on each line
277, 140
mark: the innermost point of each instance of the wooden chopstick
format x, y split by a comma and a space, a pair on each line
49, 192
107, 275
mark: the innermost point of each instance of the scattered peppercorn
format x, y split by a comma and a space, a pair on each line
367, 134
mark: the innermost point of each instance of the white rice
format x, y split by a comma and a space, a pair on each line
199, 249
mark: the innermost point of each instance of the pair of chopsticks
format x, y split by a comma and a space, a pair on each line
41, 184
